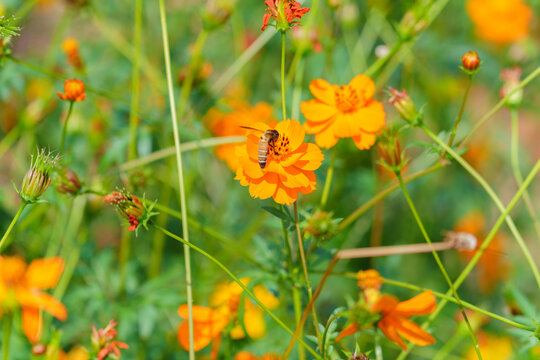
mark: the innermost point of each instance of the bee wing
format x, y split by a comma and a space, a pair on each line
250, 128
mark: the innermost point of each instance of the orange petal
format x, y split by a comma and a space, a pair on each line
317, 111
346, 125
244, 355
40, 300
385, 304
284, 195
364, 140
265, 187
323, 91
202, 314
32, 324
349, 330
390, 332
363, 86
12, 269
316, 127
294, 131
421, 304
44, 273
266, 297
295, 178
200, 340
412, 332
326, 138
306, 157
371, 117
254, 320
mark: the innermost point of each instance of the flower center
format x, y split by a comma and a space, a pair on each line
280, 149
347, 99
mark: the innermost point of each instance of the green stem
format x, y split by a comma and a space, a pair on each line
325, 332
297, 304
283, 42
495, 199
439, 262
514, 159
12, 224
378, 348
306, 275
135, 82
470, 266
183, 206
64, 128
460, 115
236, 280
381, 195
500, 104
328, 180
125, 251
8, 319
465, 304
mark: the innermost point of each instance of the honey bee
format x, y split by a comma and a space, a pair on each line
267, 140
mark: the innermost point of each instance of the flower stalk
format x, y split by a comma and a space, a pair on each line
328, 180
8, 319
12, 224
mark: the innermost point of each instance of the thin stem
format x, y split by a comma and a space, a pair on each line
15, 218
64, 128
514, 160
8, 319
330, 321
470, 266
297, 304
135, 82
460, 115
306, 276
438, 260
328, 180
283, 42
236, 280
465, 304
494, 197
187, 258
500, 104
125, 251
378, 197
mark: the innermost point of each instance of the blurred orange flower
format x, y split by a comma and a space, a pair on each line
394, 321
221, 123
104, 341
21, 285
70, 46
73, 91
209, 322
492, 267
500, 21
245, 355
289, 167
343, 111
491, 347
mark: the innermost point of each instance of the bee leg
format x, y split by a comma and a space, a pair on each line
274, 149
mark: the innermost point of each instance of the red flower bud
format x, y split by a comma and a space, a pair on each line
471, 61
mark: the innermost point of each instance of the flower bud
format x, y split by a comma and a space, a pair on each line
471, 62
73, 91
320, 225
511, 79
217, 12
66, 181
404, 105
130, 207
334, 4
360, 356
38, 177
393, 158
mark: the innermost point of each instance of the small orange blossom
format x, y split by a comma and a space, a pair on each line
343, 111
21, 285
70, 46
290, 163
73, 91
284, 13
500, 21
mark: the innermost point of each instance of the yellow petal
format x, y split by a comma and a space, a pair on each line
44, 273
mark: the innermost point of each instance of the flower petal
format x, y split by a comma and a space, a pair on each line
349, 330
421, 304
200, 339
263, 188
12, 269
254, 320
363, 85
413, 332
284, 195
202, 314
323, 91
388, 329
293, 130
266, 297
326, 138
317, 111
385, 304
44, 273
364, 140
370, 118
32, 324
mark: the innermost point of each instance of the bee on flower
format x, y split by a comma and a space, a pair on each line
21, 287
346, 111
389, 314
289, 163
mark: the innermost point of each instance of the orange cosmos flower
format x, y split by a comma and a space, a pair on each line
290, 163
245, 355
394, 321
207, 325
70, 46
284, 13
500, 21
73, 91
103, 341
221, 123
343, 111
21, 285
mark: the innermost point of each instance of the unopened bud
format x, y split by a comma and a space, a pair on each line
404, 105
360, 356
511, 78
217, 12
130, 207
471, 62
66, 181
38, 177
320, 225
392, 156
39, 349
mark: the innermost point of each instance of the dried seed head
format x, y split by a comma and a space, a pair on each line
471, 62
38, 177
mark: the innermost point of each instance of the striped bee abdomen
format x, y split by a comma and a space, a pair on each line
262, 153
